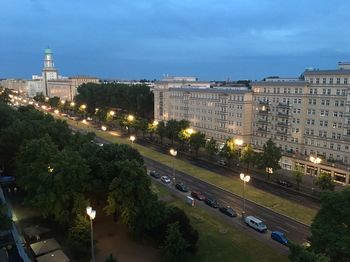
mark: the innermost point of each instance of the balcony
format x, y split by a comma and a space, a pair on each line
266, 103
262, 130
283, 133
283, 105
282, 124
281, 114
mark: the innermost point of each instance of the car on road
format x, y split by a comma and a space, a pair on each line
279, 237
255, 223
227, 210
165, 179
211, 202
222, 162
154, 174
182, 187
198, 195
284, 183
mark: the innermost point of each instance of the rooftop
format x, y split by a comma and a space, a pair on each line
327, 72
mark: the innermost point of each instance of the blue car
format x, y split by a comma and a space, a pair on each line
279, 237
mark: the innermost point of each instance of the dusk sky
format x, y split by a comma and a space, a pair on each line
134, 39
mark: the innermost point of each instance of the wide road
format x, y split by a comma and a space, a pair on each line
272, 188
294, 230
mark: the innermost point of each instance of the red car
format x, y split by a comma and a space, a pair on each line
198, 195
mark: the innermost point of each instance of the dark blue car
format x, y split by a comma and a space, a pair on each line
279, 237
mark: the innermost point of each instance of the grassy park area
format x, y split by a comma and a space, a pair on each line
217, 240
280, 205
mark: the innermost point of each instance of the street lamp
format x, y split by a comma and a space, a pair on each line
132, 139
238, 142
56, 111
63, 102
131, 118
92, 214
155, 123
104, 128
173, 152
316, 160
245, 178
72, 104
112, 113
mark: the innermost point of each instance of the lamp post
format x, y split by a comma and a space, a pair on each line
132, 139
173, 152
245, 178
316, 160
92, 214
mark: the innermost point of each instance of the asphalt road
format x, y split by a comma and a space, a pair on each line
234, 174
295, 231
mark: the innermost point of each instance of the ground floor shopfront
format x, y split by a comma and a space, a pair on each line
340, 175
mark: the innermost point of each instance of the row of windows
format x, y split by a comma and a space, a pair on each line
338, 92
326, 102
278, 90
329, 80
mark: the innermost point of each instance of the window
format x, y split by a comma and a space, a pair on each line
323, 80
338, 81
311, 80
331, 81
328, 91
345, 81
324, 91
338, 92
318, 80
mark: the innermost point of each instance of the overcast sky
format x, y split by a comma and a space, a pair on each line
210, 39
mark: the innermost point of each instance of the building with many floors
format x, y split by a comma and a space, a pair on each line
305, 117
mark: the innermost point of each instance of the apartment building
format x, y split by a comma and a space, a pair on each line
305, 117
218, 112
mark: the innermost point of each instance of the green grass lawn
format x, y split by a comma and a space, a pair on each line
219, 241
280, 205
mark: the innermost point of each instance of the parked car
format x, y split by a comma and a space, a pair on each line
279, 237
284, 183
228, 211
255, 223
155, 174
165, 179
222, 162
211, 202
198, 195
182, 187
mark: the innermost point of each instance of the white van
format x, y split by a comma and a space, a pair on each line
255, 223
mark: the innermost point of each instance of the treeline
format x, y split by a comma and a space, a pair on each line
62, 173
134, 99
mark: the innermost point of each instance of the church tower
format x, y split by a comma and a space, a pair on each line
49, 70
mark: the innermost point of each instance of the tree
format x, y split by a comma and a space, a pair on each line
53, 179
6, 221
270, 157
197, 140
247, 155
54, 101
79, 237
111, 258
325, 182
300, 254
142, 125
175, 246
229, 151
39, 98
211, 147
298, 176
130, 196
172, 130
331, 226
5, 95
161, 131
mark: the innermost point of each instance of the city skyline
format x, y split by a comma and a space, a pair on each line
148, 39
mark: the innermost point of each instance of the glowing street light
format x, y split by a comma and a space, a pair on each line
83, 106
46, 98
173, 152
239, 142
112, 113
316, 160
104, 128
92, 214
131, 118
245, 179
155, 122
44, 107
56, 112
190, 131
132, 139
84, 121
63, 102
72, 104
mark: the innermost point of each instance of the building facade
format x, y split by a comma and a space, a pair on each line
304, 117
